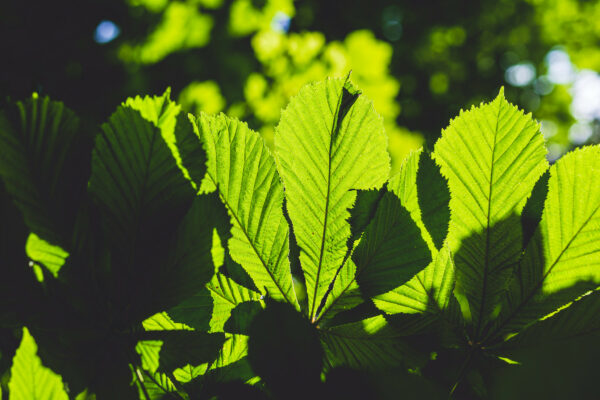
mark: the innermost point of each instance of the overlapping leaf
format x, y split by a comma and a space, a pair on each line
389, 254
371, 343
354, 244
227, 294
242, 171
576, 319
562, 260
430, 291
44, 163
19, 291
135, 180
160, 235
329, 140
29, 379
424, 193
492, 156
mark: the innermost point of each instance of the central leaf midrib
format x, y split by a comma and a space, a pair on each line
487, 228
334, 126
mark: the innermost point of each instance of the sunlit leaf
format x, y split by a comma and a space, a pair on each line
562, 260
329, 141
242, 171
29, 379
492, 155
430, 291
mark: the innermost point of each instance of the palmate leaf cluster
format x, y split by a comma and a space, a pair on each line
175, 256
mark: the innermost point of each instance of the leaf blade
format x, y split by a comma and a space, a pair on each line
321, 156
243, 172
490, 176
30, 380
562, 259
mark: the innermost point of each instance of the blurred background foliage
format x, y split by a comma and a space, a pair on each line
420, 62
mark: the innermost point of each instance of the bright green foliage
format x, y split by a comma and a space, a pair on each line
182, 27
195, 263
202, 97
241, 170
387, 256
430, 291
492, 156
227, 294
29, 379
293, 60
52, 257
245, 17
562, 261
329, 141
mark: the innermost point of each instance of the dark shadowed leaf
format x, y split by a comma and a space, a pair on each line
284, 350
45, 164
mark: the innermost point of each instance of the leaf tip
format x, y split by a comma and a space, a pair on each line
501, 93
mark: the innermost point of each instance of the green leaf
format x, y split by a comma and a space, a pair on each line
430, 291
391, 250
51, 257
344, 293
492, 156
243, 172
329, 142
195, 311
175, 128
575, 319
189, 264
232, 355
226, 295
176, 349
562, 260
135, 180
29, 379
157, 385
532, 212
390, 253
371, 343
433, 197
242, 316
45, 165
424, 193
231, 366
182, 347
20, 293
160, 247
162, 321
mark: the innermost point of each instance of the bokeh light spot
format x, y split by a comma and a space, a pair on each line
548, 128
579, 133
281, 22
520, 75
392, 23
560, 68
106, 32
586, 96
